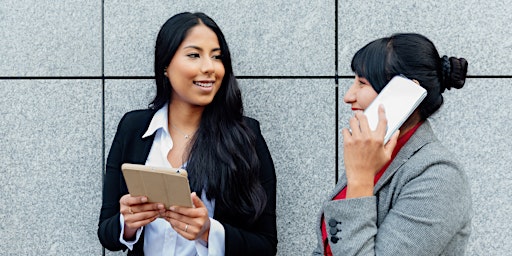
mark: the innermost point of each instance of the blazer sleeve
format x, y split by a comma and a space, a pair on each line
424, 217
261, 237
109, 228
127, 146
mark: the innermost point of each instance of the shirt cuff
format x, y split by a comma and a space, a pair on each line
216, 241
128, 244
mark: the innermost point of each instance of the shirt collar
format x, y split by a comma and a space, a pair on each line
159, 121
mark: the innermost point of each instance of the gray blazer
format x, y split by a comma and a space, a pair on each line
422, 206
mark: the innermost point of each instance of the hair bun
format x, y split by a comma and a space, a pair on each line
454, 72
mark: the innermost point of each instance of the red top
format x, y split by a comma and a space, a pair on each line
343, 193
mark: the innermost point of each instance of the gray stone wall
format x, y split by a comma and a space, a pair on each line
70, 69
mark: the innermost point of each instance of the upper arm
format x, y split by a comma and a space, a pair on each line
109, 227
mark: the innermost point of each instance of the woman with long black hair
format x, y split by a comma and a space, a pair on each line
195, 122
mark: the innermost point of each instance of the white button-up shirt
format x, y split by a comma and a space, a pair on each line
160, 238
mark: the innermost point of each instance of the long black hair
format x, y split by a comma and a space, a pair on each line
414, 56
222, 158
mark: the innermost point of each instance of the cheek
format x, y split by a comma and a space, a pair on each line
219, 76
220, 71
367, 97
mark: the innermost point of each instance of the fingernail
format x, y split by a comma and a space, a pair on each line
172, 208
144, 199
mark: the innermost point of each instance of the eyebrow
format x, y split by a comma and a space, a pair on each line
199, 48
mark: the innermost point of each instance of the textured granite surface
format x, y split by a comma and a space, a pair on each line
476, 30
266, 38
298, 121
50, 38
53, 160
50, 150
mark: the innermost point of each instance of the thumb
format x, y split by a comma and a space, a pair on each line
196, 201
392, 142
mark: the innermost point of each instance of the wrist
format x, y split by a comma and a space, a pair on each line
359, 189
129, 235
204, 237
360, 178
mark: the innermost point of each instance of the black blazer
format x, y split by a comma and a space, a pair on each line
242, 238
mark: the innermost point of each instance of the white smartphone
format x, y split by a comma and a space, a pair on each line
400, 98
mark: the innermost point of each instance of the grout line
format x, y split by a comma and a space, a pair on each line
103, 86
102, 77
103, 149
336, 95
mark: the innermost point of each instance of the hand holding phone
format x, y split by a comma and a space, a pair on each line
400, 97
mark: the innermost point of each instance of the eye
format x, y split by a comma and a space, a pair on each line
193, 55
218, 57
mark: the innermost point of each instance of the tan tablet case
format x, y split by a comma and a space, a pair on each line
160, 185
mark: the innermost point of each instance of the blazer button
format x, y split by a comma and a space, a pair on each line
334, 239
333, 231
333, 223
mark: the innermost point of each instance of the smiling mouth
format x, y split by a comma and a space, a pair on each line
204, 84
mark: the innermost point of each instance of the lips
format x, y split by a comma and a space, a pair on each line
205, 84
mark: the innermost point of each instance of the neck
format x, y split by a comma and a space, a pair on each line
184, 117
410, 123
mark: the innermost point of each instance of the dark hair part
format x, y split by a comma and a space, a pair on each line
414, 56
223, 159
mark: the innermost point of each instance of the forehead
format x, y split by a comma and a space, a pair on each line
361, 78
201, 35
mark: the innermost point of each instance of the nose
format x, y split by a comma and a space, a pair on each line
207, 66
350, 96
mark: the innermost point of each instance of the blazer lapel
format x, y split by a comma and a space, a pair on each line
143, 146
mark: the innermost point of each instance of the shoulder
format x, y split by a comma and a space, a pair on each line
425, 158
251, 122
432, 154
435, 168
260, 143
136, 120
140, 115
434, 171
424, 150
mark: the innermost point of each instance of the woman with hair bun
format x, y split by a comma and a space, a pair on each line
408, 196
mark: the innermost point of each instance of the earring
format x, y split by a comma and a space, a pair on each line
165, 73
